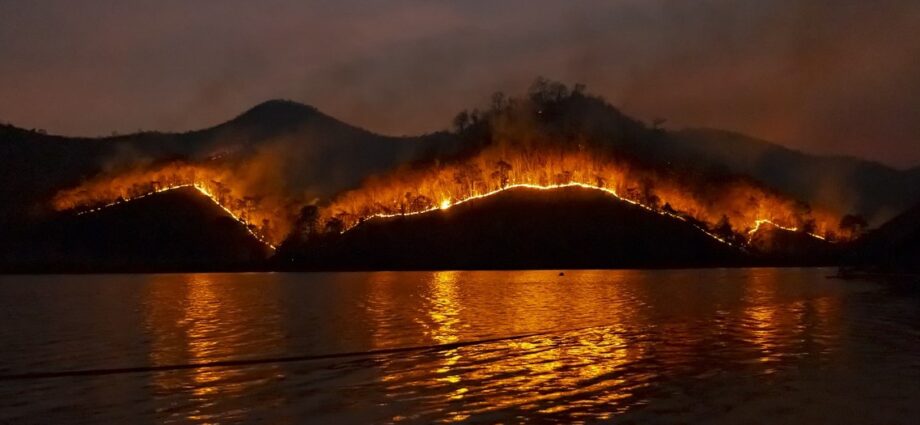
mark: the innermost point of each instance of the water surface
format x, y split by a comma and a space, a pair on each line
678, 346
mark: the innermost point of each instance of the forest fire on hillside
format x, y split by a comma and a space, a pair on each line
551, 139
201, 188
262, 216
726, 210
729, 211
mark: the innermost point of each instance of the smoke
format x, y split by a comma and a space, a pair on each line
552, 139
830, 77
262, 179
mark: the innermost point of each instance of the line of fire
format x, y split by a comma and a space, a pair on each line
516, 143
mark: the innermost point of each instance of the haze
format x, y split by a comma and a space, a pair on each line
826, 77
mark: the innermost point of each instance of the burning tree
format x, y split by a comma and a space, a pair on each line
546, 140
502, 173
853, 225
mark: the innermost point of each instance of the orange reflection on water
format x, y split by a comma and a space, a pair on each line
583, 367
590, 345
444, 307
780, 326
195, 319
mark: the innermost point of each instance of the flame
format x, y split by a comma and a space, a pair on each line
267, 225
730, 211
743, 205
761, 222
445, 204
201, 189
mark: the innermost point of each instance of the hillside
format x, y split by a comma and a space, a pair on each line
179, 230
519, 228
873, 190
893, 247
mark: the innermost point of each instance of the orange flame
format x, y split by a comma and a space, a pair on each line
262, 217
738, 206
743, 205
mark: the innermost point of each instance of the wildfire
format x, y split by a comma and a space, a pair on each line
722, 210
266, 224
761, 222
551, 139
445, 204
729, 211
201, 189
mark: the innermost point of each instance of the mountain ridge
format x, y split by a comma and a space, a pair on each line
318, 156
870, 188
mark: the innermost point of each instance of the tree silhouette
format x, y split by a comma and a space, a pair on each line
499, 101
544, 92
600, 181
335, 226
723, 228
855, 224
468, 176
421, 203
461, 121
502, 173
809, 226
308, 221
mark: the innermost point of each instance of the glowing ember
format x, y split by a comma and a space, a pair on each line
759, 223
725, 210
730, 211
265, 224
447, 204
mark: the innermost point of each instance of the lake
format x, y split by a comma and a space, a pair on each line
625, 346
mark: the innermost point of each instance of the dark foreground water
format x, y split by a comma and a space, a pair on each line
689, 346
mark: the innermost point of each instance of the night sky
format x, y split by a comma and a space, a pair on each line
838, 77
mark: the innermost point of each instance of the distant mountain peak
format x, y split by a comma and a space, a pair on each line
278, 116
276, 111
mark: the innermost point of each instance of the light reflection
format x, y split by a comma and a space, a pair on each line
444, 307
607, 343
777, 325
577, 370
197, 319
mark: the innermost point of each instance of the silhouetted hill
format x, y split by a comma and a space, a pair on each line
277, 115
893, 247
782, 247
519, 228
170, 231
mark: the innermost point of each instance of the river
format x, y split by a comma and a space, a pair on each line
625, 346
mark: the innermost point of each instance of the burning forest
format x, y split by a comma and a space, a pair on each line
549, 139
266, 215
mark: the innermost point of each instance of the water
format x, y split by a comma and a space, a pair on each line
682, 346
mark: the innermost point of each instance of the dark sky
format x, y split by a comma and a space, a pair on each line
838, 76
